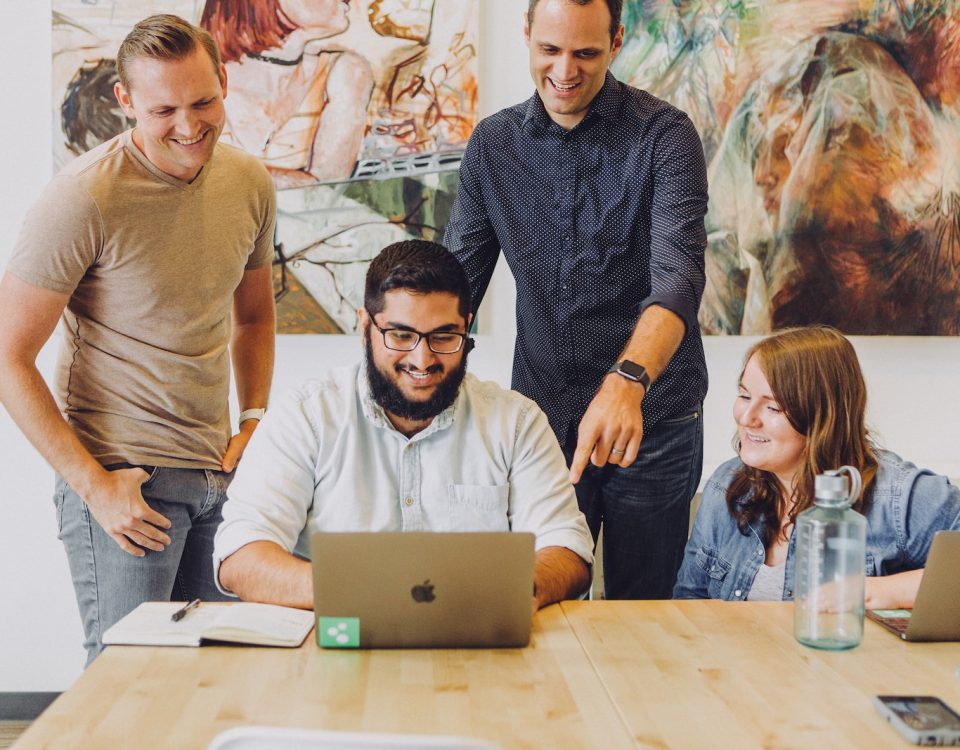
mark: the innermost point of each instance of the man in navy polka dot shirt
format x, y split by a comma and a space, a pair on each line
595, 192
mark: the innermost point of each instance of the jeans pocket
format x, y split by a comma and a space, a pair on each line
691, 416
479, 507
60, 489
153, 472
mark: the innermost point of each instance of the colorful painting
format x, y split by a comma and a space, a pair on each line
831, 134
360, 110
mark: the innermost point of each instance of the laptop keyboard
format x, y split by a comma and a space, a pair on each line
898, 624
896, 620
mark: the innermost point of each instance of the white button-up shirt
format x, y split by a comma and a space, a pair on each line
326, 458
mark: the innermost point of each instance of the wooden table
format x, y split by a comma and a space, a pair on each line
597, 675
547, 695
698, 674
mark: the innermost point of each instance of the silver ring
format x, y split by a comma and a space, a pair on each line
618, 452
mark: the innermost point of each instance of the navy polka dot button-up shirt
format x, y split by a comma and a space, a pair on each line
597, 223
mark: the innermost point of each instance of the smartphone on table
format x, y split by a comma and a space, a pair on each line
922, 719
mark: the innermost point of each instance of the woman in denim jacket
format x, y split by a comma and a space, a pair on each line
800, 412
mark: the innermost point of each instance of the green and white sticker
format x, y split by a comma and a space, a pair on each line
338, 632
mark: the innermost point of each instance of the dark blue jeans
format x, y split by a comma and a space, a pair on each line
109, 582
645, 508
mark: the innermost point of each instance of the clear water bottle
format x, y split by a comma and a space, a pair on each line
829, 571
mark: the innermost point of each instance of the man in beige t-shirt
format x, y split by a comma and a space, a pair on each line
153, 251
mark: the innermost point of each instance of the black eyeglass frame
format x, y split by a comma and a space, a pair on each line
463, 337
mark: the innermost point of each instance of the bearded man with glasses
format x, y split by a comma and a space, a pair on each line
406, 440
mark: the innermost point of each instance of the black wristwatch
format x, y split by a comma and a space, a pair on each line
632, 371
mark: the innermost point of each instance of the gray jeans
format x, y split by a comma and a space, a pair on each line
109, 582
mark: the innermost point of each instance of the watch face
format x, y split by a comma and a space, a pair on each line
635, 372
632, 370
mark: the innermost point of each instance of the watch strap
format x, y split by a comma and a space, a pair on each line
632, 371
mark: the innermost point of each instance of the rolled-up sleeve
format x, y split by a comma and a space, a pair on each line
273, 490
542, 499
678, 237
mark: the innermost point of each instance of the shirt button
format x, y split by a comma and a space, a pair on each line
408, 501
737, 592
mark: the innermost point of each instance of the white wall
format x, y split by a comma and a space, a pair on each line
914, 407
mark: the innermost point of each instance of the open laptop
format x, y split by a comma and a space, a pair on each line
422, 589
936, 612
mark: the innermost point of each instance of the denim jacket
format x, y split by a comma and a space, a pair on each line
907, 507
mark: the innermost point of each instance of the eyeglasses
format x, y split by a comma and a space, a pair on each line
406, 340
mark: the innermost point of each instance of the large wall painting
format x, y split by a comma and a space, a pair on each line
360, 109
832, 134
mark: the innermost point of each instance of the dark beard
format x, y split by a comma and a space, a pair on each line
386, 393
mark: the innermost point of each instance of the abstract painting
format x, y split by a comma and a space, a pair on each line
831, 134
360, 110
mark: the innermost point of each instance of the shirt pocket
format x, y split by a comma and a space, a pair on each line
476, 507
716, 570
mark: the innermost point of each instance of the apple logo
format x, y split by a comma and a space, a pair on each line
423, 592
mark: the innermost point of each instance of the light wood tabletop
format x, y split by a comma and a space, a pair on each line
597, 675
693, 674
544, 696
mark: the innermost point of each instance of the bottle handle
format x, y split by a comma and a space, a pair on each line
856, 481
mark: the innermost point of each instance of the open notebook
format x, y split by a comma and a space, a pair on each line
235, 622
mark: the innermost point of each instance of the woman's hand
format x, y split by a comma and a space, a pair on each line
892, 592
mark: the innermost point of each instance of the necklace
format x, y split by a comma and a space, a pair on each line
276, 60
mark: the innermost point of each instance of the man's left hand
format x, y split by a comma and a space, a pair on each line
612, 427
238, 444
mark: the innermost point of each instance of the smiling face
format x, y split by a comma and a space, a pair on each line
413, 387
178, 107
570, 52
767, 439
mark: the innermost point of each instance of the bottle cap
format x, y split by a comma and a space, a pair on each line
832, 488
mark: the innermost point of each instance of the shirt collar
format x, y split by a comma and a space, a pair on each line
375, 414
606, 105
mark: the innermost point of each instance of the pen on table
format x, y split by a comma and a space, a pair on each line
182, 612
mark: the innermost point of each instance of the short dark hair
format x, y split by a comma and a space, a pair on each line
418, 266
164, 37
614, 6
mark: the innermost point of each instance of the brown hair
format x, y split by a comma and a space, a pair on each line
815, 377
163, 37
614, 6
243, 27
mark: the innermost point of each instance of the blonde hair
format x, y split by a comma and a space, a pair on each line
164, 37
815, 377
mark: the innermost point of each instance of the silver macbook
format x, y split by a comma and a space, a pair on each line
936, 612
422, 589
